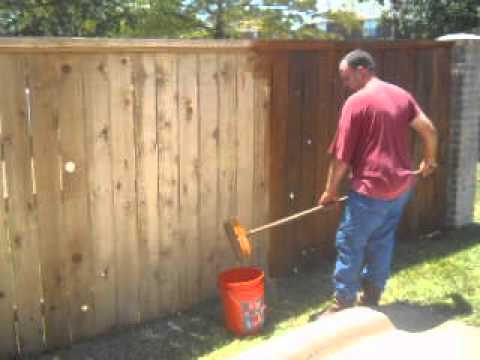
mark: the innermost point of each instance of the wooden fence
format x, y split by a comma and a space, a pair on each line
122, 158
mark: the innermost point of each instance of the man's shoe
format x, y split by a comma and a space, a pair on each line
331, 309
370, 295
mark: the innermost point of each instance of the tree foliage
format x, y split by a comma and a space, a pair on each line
281, 19
65, 17
231, 19
347, 23
168, 19
427, 19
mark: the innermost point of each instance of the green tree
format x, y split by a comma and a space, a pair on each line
167, 19
427, 19
65, 17
230, 19
347, 24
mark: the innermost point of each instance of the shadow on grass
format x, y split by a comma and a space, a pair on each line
200, 331
414, 317
440, 245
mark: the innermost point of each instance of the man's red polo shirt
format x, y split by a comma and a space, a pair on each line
373, 138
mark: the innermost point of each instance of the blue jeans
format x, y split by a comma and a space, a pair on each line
365, 240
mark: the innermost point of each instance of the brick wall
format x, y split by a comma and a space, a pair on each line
464, 131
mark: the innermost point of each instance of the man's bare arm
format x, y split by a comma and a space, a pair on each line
336, 172
425, 128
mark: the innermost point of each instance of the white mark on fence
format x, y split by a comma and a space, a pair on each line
28, 101
32, 170
70, 167
29, 111
4, 169
16, 325
4, 178
60, 170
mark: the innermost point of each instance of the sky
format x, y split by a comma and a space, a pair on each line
369, 8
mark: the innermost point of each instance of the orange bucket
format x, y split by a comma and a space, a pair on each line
242, 292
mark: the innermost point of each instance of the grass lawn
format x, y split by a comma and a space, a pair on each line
441, 274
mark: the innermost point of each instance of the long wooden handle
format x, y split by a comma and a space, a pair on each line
292, 217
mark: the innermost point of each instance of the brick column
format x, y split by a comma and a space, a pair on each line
464, 132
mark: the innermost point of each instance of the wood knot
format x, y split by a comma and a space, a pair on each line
104, 133
161, 80
77, 258
66, 68
58, 280
18, 241
101, 67
215, 134
7, 139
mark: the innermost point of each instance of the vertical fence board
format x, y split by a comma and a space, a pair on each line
439, 112
296, 94
405, 69
398, 68
168, 181
189, 176
147, 184
308, 193
262, 100
76, 223
390, 73
423, 92
100, 185
209, 221
227, 176
380, 66
123, 151
53, 248
14, 152
278, 164
244, 142
8, 345
324, 223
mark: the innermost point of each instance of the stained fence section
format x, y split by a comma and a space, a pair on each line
307, 96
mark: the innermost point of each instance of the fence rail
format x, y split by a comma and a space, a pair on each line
122, 158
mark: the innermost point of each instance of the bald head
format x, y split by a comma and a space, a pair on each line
356, 69
360, 58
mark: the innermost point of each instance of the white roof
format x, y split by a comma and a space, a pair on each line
459, 36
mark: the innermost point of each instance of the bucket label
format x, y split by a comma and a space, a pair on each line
253, 314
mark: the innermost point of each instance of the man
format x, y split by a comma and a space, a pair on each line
372, 143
